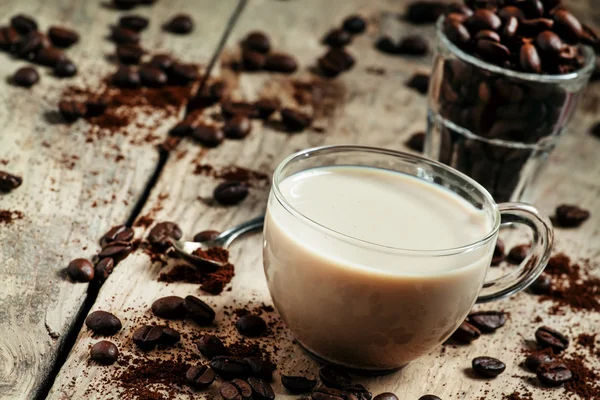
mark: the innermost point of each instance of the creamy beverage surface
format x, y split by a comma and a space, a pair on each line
358, 302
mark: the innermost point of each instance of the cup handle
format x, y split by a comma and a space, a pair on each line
533, 265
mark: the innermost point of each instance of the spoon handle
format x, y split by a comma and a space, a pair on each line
231, 234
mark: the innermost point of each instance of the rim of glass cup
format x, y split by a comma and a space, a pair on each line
588, 52
311, 152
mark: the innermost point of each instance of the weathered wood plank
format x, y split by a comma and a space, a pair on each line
72, 190
368, 109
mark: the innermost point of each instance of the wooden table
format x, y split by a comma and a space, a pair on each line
73, 191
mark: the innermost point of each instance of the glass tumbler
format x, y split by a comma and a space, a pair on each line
496, 125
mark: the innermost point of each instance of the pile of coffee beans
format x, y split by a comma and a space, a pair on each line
337, 60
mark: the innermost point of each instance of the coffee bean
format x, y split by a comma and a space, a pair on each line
335, 61
453, 17
9, 38
50, 56
104, 352
354, 24
97, 105
567, 26
386, 44
230, 109
547, 337
229, 367
237, 127
359, 391
466, 333
299, 384
211, 346
549, 44
103, 269
162, 232
65, 69
486, 34
415, 45
230, 193
200, 376
419, 82
261, 389
337, 38
103, 323
416, 141
279, 62
457, 33
510, 11
251, 325
161, 61
517, 254
208, 135
237, 389
122, 35
253, 61
62, 37
424, 12
570, 216
266, 107
130, 53
135, 23
487, 321
9, 182
325, 393
534, 360
30, 44
152, 77
257, 41
125, 4
127, 77
386, 396
334, 378
429, 397
23, 24
590, 37
542, 285
182, 74
81, 270
205, 236
498, 255
260, 368
484, 19
491, 51
169, 307
147, 337
529, 59
553, 374
169, 336
117, 233
294, 120
118, 251
532, 27
511, 26
199, 311
180, 24
71, 110
488, 367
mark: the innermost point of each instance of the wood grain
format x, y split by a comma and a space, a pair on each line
365, 109
73, 190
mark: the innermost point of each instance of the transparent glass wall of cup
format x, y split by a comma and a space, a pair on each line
345, 311
497, 125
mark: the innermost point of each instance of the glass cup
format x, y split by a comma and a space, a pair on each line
346, 311
494, 124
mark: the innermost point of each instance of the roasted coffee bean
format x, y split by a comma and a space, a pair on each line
298, 384
97, 105
103, 269
429, 397
152, 77
182, 74
532, 27
487, 321
334, 378
458, 18
103, 323
205, 236
456, 32
511, 26
81, 270
229, 367
30, 44
257, 41
127, 77
261, 390
416, 141
486, 34
251, 325
49, 56
230, 193
162, 232
200, 376
237, 389
122, 35
71, 110
484, 19
118, 251
294, 120
325, 393
386, 44
169, 336
492, 51
253, 60
386, 396
147, 337
199, 311
182, 129
260, 368
510, 11
424, 12
590, 37
419, 82
65, 69
211, 346
335, 61
567, 26
266, 107
415, 45
517, 254
169, 307
553, 374
162, 61
130, 53
534, 360
466, 333
135, 23
498, 255
23, 24
488, 367
570, 216
125, 4
9, 38
354, 24
121, 233
547, 337
542, 285
9, 182
337, 38
232, 108
104, 352
529, 59
180, 24
237, 127
549, 44
207, 135
279, 62
359, 391
62, 37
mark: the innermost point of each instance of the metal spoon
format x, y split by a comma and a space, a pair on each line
185, 249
